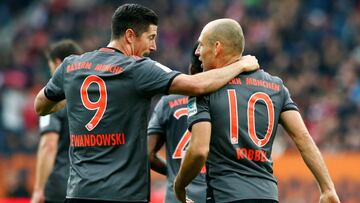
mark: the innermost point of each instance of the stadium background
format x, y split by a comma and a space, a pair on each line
313, 45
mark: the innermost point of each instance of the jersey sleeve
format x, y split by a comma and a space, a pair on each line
198, 110
289, 104
153, 78
157, 120
50, 123
54, 90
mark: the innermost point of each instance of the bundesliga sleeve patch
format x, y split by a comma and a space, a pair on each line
164, 68
192, 109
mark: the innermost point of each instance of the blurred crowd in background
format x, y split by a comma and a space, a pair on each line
313, 45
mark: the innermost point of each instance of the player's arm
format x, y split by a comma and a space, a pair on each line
295, 127
45, 162
195, 158
156, 137
44, 106
212, 80
155, 142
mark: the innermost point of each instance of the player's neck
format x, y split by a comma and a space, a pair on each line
227, 60
123, 47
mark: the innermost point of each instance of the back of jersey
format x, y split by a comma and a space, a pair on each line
55, 188
170, 121
244, 116
108, 97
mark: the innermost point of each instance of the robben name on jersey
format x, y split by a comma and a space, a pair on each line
244, 116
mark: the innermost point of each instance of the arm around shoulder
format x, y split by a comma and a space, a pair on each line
210, 81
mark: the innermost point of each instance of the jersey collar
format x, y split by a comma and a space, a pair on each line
110, 49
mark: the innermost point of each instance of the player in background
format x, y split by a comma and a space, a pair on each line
108, 93
52, 166
168, 125
234, 128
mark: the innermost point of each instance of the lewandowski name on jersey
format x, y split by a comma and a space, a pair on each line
98, 140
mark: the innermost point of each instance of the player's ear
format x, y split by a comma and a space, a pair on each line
57, 62
218, 47
130, 35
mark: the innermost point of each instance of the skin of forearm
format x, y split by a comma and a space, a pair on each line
45, 162
43, 106
191, 167
158, 164
155, 143
58, 106
311, 155
313, 159
212, 80
196, 154
216, 78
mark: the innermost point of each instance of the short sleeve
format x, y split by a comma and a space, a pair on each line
54, 90
153, 78
289, 104
157, 120
198, 110
50, 123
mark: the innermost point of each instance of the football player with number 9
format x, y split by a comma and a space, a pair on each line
108, 93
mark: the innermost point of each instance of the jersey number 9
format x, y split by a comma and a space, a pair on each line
99, 105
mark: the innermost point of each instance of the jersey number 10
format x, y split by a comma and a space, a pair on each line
234, 122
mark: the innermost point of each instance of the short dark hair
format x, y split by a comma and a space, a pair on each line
195, 65
134, 16
63, 49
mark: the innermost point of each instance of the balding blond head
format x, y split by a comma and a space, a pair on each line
228, 32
